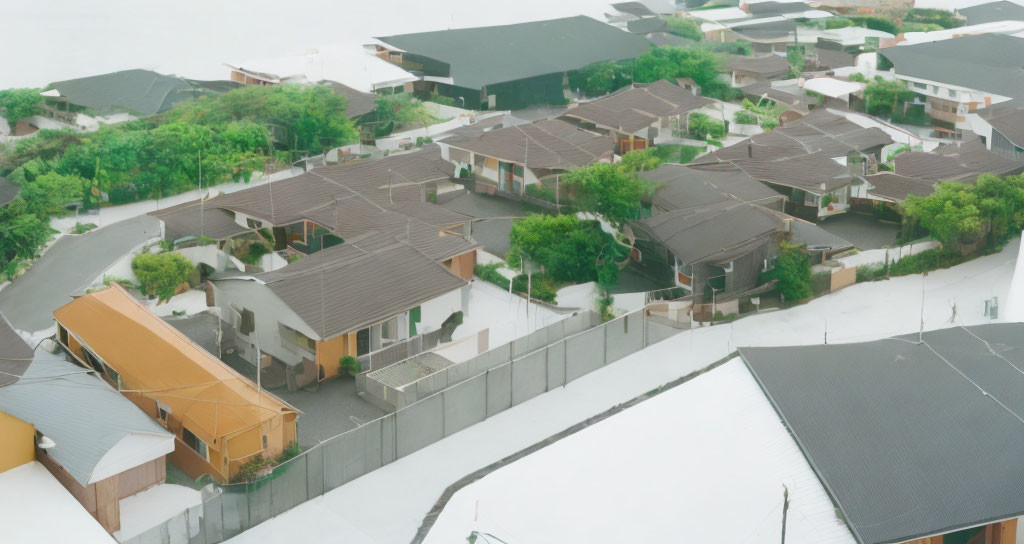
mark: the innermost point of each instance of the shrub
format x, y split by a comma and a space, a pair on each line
837, 22
255, 252
252, 470
536, 190
686, 28
290, 451
82, 228
541, 286
604, 304
161, 274
568, 249
793, 272
489, 273
349, 365
744, 118
18, 104
858, 77
702, 126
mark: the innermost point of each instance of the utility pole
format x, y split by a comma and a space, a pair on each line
202, 208
920, 331
785, 510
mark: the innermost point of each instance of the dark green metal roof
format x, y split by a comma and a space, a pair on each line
497, 54
141, 92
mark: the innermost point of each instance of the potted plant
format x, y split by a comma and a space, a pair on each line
348, 365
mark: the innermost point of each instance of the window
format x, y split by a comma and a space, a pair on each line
114, 376
296, 338
63, 334
952, 93
253, 223
161, 411
193, 441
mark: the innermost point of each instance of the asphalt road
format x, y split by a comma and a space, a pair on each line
69, 266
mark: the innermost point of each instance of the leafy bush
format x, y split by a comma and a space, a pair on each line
640, 160
536, 190
884, 98
609, 190
877, 23
604, 304
686, 28
21, 233
920, 27
569, 250
289, 452
702, 126
745, 118
254, 253
837, 22
349, 365
161, 274
489, 273
670, 63
252, 470
540, 286
18, 104
793, 272
82, 228
937, 18
676, 153
858, 77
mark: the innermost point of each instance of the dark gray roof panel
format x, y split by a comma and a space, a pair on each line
142, 92
716, 233
193, 219
910, 439
496, 54
681, 187
359, 103
987, 62
993, 12
896, 187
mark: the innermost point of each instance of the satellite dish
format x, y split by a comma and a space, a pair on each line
45, 443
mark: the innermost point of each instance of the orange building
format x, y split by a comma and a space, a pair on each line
219, 418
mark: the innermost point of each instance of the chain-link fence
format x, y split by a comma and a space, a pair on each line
497, 380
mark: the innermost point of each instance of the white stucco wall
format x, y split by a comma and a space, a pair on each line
435, 311
269, 311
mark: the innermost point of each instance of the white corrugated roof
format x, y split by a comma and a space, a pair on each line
348, 64
37, 508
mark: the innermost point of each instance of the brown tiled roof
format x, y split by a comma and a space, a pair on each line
348, 287
359, 103
896, 187
681, 187
816, 174
638, 106
1010, 124
718, 233
550, 144
192, 219
964, 162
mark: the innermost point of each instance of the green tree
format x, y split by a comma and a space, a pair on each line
951, 214
49, 193
877, 23
884, 98
837, 22
686, 28
1001, 201
18, 104
938, 18
641, 160
594, 79
568, 249
21, 232
608, 190
702, 126
673, 62
161, 274
793, 272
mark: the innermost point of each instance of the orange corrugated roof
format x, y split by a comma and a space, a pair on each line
157, 360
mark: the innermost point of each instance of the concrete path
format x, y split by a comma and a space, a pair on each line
71, 264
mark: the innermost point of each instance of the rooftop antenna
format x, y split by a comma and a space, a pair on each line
920, 331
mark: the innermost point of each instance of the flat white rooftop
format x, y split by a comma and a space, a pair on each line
37, 508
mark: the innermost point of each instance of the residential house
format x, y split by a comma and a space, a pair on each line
816, 160
86, 103
768, 26
350, 65
715, 250
866, 7
219, 418
508, 160
93, 441
636, 115
509, 66
946, 397
353, 299
329, 205
710, 230
1002, 130
992, 12
743, 71
959, 76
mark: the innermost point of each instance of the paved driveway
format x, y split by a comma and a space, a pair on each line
70, 265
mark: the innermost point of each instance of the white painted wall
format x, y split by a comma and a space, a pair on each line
269, 311
435, 311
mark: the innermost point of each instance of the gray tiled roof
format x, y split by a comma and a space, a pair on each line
83, 415
647, 25
193, 219
815, 174
955, 162
896, 187
681, 187
1009, 123
142, 92
717, 233
987, 62
496, 54
550, 144
633, 8
359, 103
765, 66
637, 106
348, 287
911, 440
